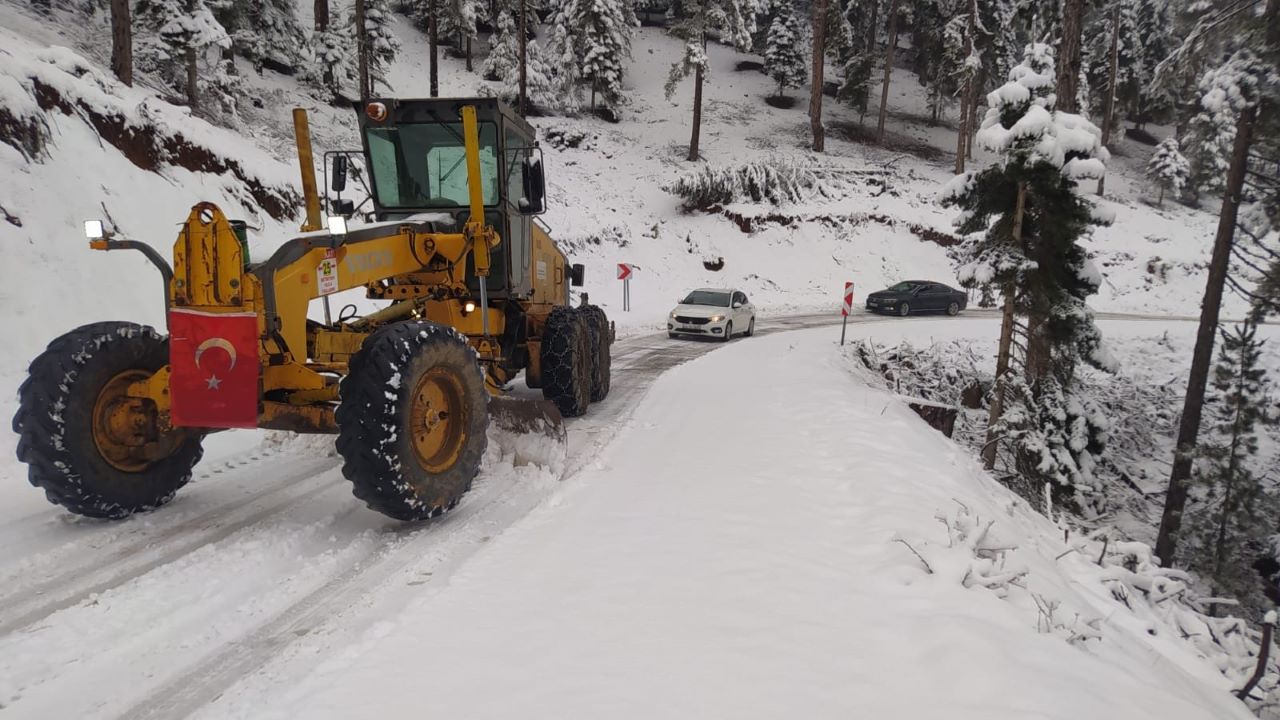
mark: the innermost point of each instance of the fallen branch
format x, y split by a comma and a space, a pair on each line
927, 567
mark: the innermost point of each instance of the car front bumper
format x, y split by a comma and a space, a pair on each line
711, 329
882, 306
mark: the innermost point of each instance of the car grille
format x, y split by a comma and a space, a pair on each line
692, 320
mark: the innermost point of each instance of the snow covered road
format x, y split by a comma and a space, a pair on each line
156, 616
717, 543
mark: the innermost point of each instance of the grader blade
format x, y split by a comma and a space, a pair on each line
520, 416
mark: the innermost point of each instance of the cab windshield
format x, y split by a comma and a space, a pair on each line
706, 297
424, 165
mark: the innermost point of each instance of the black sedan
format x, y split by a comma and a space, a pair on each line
917, 296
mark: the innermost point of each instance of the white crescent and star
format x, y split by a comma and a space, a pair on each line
222, 344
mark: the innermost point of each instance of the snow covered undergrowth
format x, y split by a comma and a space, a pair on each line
734, 554
936, 359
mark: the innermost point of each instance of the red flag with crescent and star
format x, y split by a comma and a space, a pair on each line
213, 363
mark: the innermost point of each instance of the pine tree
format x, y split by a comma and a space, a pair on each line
1234, 507
1252, 78
334, 50
604, 42
1213, 129
178, 36
381, 42
933, 61
1168, 168
1025, 221
502, 60
784, 59
733, 20
851, 44
264, 31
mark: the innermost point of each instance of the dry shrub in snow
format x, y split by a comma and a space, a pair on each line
775, 180
1125, 588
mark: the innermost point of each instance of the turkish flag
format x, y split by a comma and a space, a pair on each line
213, 363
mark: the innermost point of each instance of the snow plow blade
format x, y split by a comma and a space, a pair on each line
521, 416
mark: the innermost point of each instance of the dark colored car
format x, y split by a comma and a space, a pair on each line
917, 296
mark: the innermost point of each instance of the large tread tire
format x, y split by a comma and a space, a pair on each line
376, 412
566, 361
55, 418
602, 367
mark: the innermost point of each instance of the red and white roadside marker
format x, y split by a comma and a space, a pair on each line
625, 270
846, 309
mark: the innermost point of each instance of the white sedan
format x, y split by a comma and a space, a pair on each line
713, 312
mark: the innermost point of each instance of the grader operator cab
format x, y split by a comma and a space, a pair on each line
112, 414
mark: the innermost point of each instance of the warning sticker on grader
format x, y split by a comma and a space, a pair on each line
327, 276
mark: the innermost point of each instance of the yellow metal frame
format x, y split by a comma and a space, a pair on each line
209, 274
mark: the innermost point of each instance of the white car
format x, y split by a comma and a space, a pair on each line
713, 312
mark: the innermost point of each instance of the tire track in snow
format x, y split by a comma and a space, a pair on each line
127, 561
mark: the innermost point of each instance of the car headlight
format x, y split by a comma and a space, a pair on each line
717, 318
673, 314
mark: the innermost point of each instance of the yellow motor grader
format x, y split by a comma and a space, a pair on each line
112, 414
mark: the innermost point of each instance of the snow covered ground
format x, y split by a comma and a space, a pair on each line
720, 539
732, 554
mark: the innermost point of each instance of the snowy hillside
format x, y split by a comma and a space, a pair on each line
607, 197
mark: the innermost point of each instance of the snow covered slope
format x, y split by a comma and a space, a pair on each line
734, 554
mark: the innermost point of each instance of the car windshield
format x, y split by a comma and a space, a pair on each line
707, 297
904, 287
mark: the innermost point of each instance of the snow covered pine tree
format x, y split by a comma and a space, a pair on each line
784, 57
176, 37
1023, 220
383, 44
733, 20
1168, 168
603, 43
1233, 510
545, 86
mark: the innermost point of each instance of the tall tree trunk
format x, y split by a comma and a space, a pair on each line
433, 42
320, 11
1193, 404
468, 53
888, 69
121, 41
191, 60
697, 109
966, 89
979, 83
193, 79
1069, 60
816, 128
362, 51
872, 36
1160, 200
996, 410
524, 47
1107, 120
1175, 500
